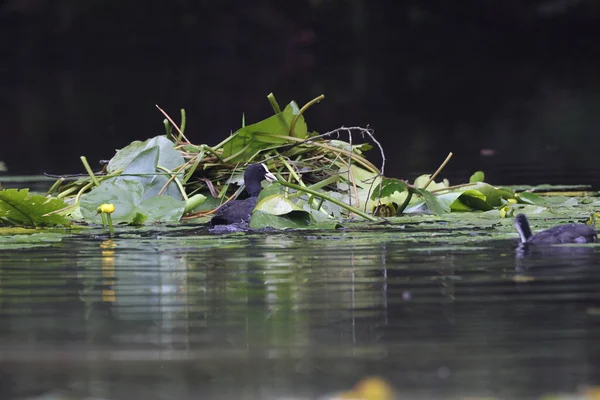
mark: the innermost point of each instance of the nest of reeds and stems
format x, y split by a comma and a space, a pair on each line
321, 177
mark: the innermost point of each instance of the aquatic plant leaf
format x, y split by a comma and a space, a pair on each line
450, 198
467, 200
478, 176
474, 200
130, 205
531, 198
389, 186
550, 188
18, 207
277, 204
162, 208
250, 139
145, 162
493, 196
435, 206
292, 220
422, 180
168, 157
124, 193
143, 168
30, 240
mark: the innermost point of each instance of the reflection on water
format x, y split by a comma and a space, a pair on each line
293, 316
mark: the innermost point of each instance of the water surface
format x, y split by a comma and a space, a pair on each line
188, 315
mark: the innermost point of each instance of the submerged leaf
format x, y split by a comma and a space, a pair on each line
18, 207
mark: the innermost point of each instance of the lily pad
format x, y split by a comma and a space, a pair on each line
168, 157
130, 205
292, 220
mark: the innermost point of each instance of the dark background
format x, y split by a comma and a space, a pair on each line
511, 87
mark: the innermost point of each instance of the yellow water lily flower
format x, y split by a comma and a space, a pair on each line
107, 208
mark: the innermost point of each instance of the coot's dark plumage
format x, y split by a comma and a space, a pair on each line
239, 211
567, 233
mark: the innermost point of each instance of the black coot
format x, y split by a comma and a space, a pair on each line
239, 211
567, 233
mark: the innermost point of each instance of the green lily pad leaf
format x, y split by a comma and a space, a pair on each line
144, 163
18, 207
474, 200
389, 186
124, 156
506, 193
478, 176
168, 157
531, 198
422, 180
143, 169
270, 189
435, 206
124, 193
130, 206
162, 208
493, 196
467, 200
292, 220
250, 139
277, 204
25, 241
448, 199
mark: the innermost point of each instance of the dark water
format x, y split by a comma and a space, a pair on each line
299, 315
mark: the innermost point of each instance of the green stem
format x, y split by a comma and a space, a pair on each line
302, 110
329, 198
89, 170
183, 122
274, 103
198, 157
174, 179
168, 129
403, 206
318, 185
111, 229
55, 186
67, 192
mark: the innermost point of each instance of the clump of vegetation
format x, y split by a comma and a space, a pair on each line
324, 179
